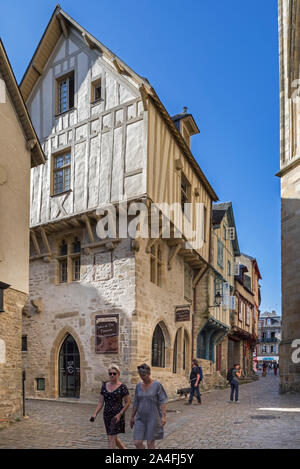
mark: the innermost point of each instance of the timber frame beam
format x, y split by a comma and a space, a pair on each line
63, 24
35, 242
46, 242
175, 251
86, 219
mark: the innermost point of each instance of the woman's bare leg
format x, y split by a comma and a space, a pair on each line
139, 444
120, 444
151, 444
112, 441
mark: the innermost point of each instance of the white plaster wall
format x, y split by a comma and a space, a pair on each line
107, 139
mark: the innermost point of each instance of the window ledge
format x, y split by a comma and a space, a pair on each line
97, 101
65, 112
61, 193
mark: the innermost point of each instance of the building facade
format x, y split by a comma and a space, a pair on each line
95, 300
289, 49
269, 336
243, 331
19, 150
212, 340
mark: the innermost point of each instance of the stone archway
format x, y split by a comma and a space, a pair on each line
54, 359
69, 368
160, 334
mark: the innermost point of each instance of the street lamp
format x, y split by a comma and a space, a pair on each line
218, 301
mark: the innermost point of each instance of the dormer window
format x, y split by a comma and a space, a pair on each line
65, 93
186, 125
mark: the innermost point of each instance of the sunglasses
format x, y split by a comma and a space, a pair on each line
112, 374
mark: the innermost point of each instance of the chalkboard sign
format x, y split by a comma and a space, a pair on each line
107, 333
182, 313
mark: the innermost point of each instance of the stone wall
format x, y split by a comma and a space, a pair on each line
290, 213
156, 305
11, 359
56, 309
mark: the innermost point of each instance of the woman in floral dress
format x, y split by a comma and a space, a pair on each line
112, 394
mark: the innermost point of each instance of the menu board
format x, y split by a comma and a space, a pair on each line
107, 333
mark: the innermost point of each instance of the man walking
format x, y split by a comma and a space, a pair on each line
195, 380
234, 382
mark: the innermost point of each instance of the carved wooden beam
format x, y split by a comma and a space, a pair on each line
75, 222
31, 144
152, 242
117, 66
174, 253
89, 41
174, 241
144, 96
35, 242
104, 242
45, 241
120, 69
198, 276
86, 219
63, 24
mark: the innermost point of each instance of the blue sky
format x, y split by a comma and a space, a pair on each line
220, 59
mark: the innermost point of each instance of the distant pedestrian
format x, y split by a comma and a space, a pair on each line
275, 369
196, 377
236, 373
149, 410
112, 394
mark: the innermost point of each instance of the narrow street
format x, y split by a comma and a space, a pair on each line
262, 419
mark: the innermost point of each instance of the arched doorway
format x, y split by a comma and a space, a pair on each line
158, 348
69, 368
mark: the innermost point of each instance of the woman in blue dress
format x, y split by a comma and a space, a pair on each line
149, 410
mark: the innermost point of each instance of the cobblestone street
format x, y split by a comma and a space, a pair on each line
215, 424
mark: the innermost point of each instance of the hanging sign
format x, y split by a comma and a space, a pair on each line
182, 313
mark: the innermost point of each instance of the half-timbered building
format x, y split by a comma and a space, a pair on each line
93, 300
